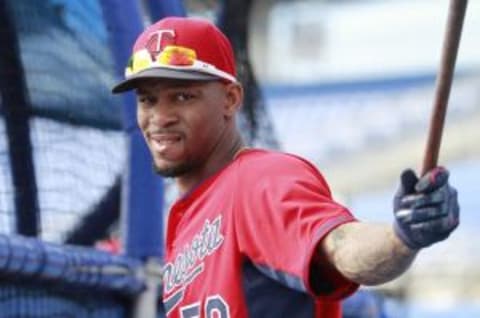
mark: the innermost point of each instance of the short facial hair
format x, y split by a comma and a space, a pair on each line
175, 171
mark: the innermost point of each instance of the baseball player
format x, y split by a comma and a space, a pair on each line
256, 233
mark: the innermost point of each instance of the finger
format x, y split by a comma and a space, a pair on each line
422, 200
422, 215
435, 228
432, 180
456, 206
408, 179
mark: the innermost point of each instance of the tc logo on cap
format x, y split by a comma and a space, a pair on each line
158, 40
175, 48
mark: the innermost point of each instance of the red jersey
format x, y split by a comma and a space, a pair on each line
241, 243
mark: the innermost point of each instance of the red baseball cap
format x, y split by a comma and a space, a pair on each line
180, 48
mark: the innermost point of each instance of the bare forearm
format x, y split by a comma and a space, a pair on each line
367, 253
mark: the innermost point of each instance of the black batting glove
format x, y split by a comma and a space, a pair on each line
426, 210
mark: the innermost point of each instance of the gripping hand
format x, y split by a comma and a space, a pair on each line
426, 210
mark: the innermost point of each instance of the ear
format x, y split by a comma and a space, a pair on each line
233, 99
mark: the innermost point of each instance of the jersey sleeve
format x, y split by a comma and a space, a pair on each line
285, 210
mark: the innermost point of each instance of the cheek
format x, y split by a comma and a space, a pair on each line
142, 119
212, 127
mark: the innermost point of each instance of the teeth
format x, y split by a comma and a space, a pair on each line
161, 145
165, 141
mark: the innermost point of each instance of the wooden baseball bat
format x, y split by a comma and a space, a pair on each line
443, 83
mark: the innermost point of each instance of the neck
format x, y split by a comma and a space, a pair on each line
217, 160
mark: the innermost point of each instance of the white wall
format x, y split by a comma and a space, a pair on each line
315, 41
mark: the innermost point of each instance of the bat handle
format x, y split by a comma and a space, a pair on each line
444, 82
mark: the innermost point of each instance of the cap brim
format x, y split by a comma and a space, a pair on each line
132, 81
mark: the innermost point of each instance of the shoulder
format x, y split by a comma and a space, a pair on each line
272, 160
267, 166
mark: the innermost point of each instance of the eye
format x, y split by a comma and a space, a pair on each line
146, 100
183, 97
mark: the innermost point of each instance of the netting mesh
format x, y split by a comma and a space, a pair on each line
255, 123
22, 300
205, 8
62, 148
75, 166
48, 280
67, 63
74, 124
6, 192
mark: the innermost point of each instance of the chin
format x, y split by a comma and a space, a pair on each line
172, 171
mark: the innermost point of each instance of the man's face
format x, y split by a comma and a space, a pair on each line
182, 122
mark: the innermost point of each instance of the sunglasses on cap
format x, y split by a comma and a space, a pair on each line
175, 58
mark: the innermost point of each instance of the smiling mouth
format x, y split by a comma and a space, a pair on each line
161, 142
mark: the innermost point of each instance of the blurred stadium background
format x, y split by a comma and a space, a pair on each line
347, 84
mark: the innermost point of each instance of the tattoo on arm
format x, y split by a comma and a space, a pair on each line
367, 254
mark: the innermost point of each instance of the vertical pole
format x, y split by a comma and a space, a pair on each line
143, 190
142, 194
161, 8
17, 110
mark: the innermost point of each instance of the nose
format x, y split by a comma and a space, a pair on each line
162, 116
